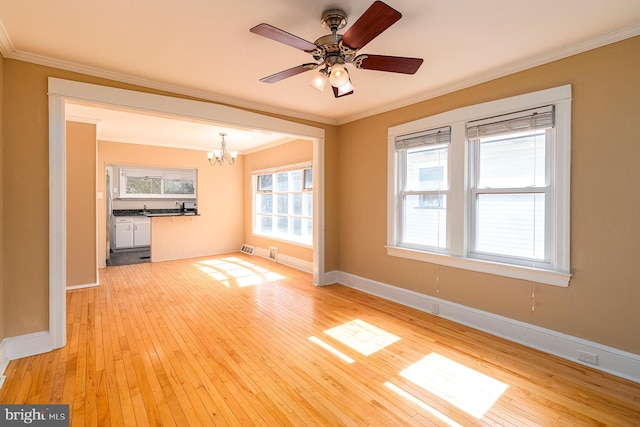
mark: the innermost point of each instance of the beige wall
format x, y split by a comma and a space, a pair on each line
81, 207
281, 155
601, 302
26, 190
217, 230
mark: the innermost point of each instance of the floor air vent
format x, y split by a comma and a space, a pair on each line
247, 249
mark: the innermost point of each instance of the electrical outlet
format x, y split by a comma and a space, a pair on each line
435, 309
587, 357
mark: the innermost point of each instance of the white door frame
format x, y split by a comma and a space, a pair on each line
61, 90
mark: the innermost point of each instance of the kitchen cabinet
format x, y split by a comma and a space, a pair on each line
123, 233
132, 232
142, 231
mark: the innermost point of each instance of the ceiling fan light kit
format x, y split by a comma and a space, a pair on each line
333, 51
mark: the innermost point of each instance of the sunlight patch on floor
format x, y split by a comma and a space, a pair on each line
410, 397
331, 349
463, 387
242, 272
215, 274
362, 336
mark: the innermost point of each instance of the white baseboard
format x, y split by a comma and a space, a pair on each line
609, 359
4, 361
23, 346
287, 260
331, 277
28, 345
88, 285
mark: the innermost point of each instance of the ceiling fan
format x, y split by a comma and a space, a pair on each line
333, 51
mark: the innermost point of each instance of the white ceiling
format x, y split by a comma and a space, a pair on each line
134, 127
204, 48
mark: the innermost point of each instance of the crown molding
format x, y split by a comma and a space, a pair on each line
6, 47
8, 51
565, 52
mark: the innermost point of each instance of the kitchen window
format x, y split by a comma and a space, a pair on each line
157, 183
283, 203
493, 195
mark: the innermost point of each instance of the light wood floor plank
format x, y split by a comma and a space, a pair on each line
225, 340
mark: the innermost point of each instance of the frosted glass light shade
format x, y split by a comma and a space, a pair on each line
345, 88
339, 75
319, 81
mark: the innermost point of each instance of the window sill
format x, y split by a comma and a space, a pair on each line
156, 196
547, 277
284, 240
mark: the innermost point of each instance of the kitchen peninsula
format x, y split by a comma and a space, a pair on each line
132, 228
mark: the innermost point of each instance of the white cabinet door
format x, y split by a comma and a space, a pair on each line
124, 235
141, 233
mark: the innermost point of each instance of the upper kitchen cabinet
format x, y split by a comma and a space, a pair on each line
157, 183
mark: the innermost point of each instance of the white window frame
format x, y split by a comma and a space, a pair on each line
546, 189
254, 192
162, 174
402, 191
458, 209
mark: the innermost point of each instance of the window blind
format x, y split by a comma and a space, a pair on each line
537, 118
429, 137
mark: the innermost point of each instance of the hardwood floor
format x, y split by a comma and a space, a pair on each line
239, 340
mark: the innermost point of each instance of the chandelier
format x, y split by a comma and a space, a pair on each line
218, 157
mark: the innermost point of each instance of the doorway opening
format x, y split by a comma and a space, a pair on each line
62, 90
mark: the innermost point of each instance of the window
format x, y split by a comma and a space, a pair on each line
493, 195
283, 204
422, 165
142, 185
510, 189
157, 183
179, 183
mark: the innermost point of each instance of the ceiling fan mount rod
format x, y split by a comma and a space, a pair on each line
334, 19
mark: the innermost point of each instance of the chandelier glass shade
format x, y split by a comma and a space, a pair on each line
218, 157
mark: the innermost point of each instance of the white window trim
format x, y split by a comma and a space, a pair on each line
159, 173
547, 190
254, 190
457, 202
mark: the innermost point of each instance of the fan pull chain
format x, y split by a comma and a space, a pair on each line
533, 263
533, 297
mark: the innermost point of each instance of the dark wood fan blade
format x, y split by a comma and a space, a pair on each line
373, 21
288, 73
338, 95
394, 64
273, 33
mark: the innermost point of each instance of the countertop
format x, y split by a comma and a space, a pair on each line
152, 212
